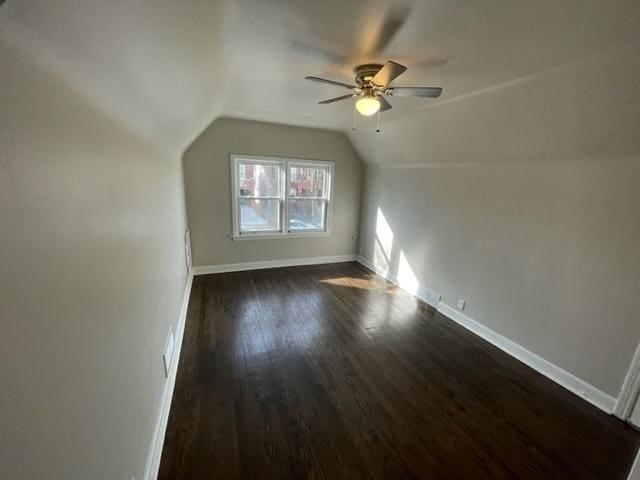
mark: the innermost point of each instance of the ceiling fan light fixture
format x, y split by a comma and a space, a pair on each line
371, 86
367, 105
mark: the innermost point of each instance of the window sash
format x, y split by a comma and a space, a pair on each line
279, 229
237, 211
284, 167
327, 178
328, 168
265, 163
325, 214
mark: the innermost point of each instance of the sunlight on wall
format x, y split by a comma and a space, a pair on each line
379, 258
383, 243
385, 260
406, 278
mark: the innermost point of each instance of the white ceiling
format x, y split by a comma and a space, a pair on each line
166, 69
483, 43
153, 65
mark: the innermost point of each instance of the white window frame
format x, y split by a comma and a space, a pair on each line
284, 164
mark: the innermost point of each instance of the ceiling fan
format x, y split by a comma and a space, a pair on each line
372, 85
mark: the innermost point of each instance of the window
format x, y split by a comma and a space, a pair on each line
308, 196
280, 197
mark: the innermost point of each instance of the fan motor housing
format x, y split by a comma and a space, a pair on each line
364, 73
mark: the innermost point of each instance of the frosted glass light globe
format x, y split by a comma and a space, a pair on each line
367, 106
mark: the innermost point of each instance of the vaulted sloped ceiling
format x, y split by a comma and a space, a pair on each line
166, 69
464, 46
155, 66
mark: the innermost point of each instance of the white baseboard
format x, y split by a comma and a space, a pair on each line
291, 262
634, 474
377, 269
565, 379
427, 296
630, 391
157, 441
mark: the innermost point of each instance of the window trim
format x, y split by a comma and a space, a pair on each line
284, 232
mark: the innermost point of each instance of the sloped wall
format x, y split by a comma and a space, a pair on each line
524, 201
92, 277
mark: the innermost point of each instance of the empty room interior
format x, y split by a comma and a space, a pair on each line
287, 239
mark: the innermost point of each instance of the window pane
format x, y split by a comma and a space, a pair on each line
259, 215
307, 181
258, 180
306, 214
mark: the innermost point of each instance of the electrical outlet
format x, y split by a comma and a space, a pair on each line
461, 304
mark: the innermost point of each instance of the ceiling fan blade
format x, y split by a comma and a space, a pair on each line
335, 99
431, 92
393, 21
330, 82
388, 72
318, 51
384, 105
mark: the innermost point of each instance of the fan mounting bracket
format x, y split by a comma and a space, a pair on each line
364, 73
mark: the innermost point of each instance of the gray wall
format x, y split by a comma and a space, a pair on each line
525, 201
207, 185
92, 277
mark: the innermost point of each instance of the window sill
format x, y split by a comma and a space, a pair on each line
274, 236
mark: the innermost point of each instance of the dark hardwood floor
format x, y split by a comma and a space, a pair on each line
330, 372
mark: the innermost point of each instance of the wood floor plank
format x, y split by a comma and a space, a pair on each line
329, 372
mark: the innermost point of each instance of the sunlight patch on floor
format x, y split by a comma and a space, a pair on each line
358, 283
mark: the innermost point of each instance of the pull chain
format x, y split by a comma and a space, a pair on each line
378, 123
